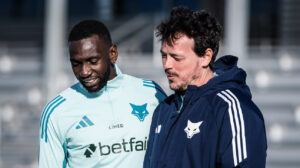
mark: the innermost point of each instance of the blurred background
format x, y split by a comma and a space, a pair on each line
34, 63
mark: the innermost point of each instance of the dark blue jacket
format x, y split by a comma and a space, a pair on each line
217, 125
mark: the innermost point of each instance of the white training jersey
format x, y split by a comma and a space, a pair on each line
107, 129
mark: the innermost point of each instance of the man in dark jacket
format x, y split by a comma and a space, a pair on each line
211, 120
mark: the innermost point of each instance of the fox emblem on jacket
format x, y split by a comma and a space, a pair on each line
192, 128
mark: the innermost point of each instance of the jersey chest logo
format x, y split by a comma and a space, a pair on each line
84, 122
192, 128
139, 111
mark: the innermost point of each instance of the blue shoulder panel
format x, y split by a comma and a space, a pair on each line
151, 83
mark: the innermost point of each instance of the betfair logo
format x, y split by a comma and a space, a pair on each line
90, 150
130, 145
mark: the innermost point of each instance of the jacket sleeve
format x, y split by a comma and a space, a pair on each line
51, 149
242, 137
151, 139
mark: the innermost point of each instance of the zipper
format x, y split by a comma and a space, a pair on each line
180, 108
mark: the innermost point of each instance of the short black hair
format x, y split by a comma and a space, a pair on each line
201, 26
87, 28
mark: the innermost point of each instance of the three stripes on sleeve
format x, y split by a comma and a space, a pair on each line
48, 110
236, 118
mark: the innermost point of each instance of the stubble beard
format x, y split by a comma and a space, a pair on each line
102, 83
181, 87
178, 89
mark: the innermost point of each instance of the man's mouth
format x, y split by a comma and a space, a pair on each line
90, 82
171, 75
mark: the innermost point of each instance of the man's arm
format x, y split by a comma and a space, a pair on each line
52, 149
242, 139
151, 142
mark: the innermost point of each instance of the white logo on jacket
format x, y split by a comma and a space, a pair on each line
157, 129
192, 128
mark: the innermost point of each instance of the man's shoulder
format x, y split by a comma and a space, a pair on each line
133, 81
142, 85
73, 90
230, 100
63, 99
222, 98
231, 95
166, 103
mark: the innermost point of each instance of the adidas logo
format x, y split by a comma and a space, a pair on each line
85, 122
157, 129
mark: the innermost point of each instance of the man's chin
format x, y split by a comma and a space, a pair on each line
177, 89
93, 89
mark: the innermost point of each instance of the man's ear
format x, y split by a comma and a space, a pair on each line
206, 58
113, 54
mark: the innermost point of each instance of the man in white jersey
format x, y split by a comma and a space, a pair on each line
104, 119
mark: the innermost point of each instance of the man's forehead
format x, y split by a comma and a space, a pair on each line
176, 38
87, 45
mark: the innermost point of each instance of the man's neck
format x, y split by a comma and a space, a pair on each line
113, 72
203, 78
181, 93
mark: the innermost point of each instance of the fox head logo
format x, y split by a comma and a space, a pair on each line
139, 111
192, 128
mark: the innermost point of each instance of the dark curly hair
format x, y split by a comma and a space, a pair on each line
201, 26
87, 28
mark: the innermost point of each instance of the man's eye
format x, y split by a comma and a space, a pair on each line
75, 63
164, 55
177, 59
94, 61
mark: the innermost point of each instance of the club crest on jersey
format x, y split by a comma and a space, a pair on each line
192, 128
139, 111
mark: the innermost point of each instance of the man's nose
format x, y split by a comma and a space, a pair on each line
167, 62
85, 70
